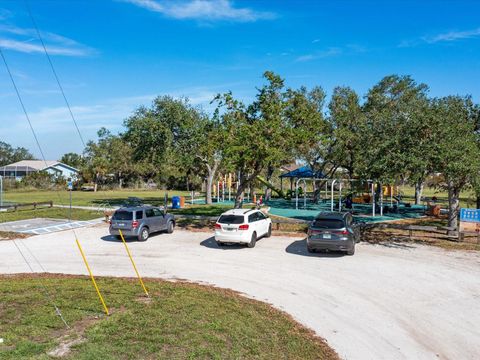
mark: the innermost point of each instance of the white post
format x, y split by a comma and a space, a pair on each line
373, 199
296, 195
218, 192
331, 193
326, 190
381, 200
340, 198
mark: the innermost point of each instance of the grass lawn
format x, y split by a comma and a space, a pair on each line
182, 321
52, 213
90, 198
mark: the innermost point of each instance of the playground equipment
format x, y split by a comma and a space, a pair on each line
271, 186
373, 193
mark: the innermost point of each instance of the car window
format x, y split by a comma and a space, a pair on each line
231, 219
252, 218
149, 213
261, 216
139, 215
328, 223
157, 212
123, 215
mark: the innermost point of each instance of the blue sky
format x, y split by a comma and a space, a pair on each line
112, 56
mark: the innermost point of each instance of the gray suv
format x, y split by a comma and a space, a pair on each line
141, 221
333, 231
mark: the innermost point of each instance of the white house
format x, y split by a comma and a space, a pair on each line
22, 168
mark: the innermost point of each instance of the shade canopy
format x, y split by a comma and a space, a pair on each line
303, 172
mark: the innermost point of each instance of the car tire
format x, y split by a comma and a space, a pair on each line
170, 227
352, 251
144, 234
253, 241
310, 250
118, 237
269, 233
220, 244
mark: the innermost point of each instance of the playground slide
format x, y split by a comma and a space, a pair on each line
270, 186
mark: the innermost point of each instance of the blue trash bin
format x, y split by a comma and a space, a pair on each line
176, 202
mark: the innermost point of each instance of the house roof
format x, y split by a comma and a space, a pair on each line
303, 172
35, 165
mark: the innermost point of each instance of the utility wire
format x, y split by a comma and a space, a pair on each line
54, 72
44, 288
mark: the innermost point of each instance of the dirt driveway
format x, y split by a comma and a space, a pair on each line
396, 302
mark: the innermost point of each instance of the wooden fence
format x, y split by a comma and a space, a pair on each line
34, 206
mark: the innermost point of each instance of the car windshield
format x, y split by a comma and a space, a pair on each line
328, 224
231, 219
123, 215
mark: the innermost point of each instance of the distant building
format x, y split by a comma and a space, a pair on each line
22, 168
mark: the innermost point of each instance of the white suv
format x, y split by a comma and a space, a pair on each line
242, 226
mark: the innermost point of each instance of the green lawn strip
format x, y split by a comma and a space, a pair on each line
51, 213
90, 198
181, 321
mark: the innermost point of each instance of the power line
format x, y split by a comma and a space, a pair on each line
54, 73
44, 288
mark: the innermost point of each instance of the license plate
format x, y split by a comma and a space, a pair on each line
121, 224
229, 228
327, 236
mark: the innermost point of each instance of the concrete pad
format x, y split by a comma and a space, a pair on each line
401, 301
39, 226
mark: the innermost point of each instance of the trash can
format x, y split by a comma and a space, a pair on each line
176, 202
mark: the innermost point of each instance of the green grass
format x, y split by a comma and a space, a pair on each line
467, 198
52, 213
90, 198
182, 321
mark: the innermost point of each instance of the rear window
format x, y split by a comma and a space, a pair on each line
328, 224
231, 219
123, 215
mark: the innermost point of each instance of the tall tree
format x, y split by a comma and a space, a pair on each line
73, 159
457, 148
258, 135
346, 119
9, 154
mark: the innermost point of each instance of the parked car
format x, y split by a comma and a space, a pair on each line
141, 221
242, 226
334, 232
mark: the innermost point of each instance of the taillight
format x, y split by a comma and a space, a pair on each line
243, 227
134, 224
110, 221
343, 232
218, 226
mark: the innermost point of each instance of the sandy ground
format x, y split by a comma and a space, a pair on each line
385, 302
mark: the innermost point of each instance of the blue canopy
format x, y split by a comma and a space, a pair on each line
303, 172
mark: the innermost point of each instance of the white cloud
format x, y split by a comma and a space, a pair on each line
204, 10
334, 51
453, 36
25, 40
315, 41
446, 37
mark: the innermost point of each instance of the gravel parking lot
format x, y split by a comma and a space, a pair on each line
385, 302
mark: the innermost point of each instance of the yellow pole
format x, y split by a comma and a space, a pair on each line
133, 263
91, 277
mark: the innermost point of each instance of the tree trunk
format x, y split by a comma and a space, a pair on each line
212, 170
268, 191
418, 191
478, 201
453, 206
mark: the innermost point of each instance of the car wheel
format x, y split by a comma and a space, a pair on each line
352, 251
170, 227
253, 241
269, 233
144, 234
